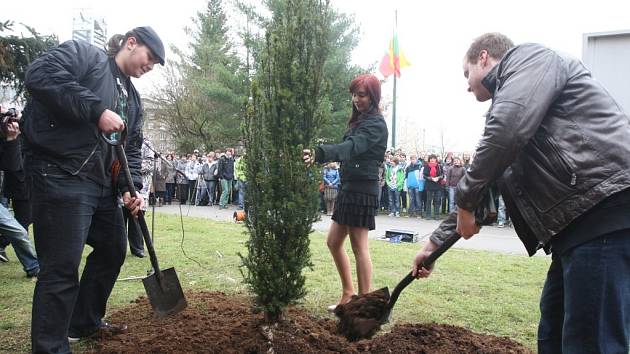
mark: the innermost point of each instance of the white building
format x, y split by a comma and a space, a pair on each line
607, 55
89, 28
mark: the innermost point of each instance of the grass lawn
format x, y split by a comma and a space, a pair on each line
485, 291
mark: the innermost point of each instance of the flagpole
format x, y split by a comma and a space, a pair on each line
394, 105
394, 116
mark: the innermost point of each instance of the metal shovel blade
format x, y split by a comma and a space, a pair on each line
165, 293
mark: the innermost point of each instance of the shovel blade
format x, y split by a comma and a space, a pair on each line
387, 314
165, 294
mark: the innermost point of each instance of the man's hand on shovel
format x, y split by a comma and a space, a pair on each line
421, 272
133, 204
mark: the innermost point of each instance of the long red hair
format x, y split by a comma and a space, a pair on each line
372, 85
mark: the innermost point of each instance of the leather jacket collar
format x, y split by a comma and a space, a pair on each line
490, 81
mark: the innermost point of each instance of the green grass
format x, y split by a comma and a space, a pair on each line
485, 291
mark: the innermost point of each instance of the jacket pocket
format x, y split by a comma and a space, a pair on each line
548, 177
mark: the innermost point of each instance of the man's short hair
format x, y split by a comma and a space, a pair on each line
496, 44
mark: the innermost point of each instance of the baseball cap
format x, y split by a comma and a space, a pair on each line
147, 35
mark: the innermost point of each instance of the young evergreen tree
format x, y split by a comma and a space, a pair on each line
282, 118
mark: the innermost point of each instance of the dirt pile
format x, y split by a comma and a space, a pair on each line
219, 323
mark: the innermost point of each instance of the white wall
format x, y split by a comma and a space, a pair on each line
607, 55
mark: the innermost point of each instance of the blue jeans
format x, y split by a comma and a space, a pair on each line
18, 237
585, 303
451, 199
415, 203
68, 213
241, 194
394, 201
211, 187
501, 218
202, 190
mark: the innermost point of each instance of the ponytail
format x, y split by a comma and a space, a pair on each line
116, 42
114, 45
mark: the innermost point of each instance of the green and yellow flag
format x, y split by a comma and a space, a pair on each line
394, 60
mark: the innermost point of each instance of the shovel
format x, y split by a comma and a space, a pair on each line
485, 214
163, 288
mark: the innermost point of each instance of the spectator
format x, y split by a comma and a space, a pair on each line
395, 177
226, 175
182, 180
453, 176
331, 184
413, 185
433, 175
170, 179
209, 171
192, 174
240, 170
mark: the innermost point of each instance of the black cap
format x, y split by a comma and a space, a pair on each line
151, 39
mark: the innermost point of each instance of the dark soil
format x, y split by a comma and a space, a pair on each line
361, 317
219, 323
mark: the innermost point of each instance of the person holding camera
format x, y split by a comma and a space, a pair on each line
11, 162
78, 92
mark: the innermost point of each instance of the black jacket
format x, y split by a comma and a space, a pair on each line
554, 139
70, 86
226, 168
362, 150
428, 183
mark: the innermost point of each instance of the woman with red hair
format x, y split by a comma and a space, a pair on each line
361, 153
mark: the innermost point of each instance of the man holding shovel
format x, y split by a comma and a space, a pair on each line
556, 143
79, 92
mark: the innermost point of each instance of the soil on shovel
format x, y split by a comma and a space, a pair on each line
360, 317
219, 323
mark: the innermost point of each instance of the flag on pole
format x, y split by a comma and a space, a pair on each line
394, 59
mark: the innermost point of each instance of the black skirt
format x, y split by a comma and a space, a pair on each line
357, 204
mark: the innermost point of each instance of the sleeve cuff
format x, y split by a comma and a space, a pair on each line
97, 109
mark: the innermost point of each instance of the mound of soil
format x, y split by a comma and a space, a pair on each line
219, 323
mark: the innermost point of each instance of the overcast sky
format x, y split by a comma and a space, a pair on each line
432, 97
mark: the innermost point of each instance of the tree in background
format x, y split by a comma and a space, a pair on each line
283, 117
202, 99
338, 73
17, 52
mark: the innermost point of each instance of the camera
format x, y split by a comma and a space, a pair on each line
8, 117
11, 115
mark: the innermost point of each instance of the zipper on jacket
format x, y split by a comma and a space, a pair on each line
86, 160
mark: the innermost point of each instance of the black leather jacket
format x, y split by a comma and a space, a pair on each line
362, 150
70, 86
554, 139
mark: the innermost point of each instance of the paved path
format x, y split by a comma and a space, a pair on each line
489, 239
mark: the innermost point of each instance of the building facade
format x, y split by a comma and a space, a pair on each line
89, 28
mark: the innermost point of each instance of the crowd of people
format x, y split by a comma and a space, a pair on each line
215, 178
421, 185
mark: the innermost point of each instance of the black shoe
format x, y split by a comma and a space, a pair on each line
139, 254
106, 330
3, 256
32, 273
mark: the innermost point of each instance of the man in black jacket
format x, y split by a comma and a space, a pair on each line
79, 92
557, 144
226, 174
